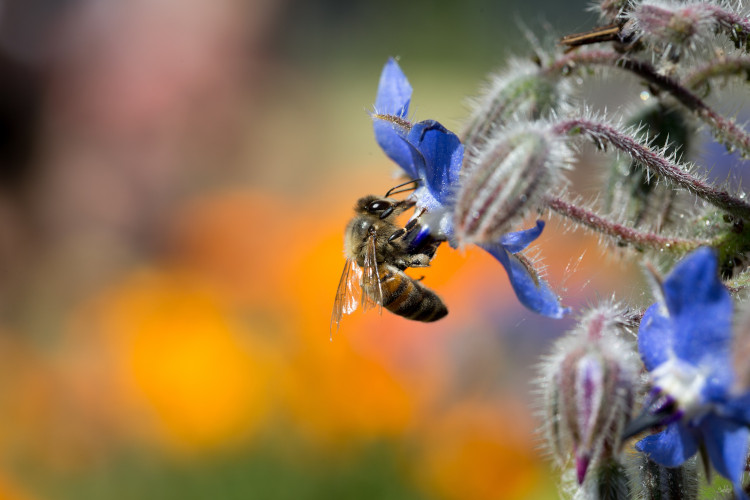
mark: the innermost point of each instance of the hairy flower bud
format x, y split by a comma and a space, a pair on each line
589, 385
654, 481
609, 481
505, 179
610, 10
524, 91
674, 28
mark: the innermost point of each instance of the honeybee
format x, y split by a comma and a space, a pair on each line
378, 251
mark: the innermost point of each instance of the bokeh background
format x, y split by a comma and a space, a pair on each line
175, 178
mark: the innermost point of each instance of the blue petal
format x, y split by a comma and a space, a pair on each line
532, 291
726, 444
443, 153
738, 408
392, 139
394, 91
671, 447
515, 242
655, 336
701, 309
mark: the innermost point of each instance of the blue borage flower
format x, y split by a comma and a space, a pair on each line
428, 151
684, 342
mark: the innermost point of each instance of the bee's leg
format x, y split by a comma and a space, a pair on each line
398, 234
430, 249
406, 229
397, 208
410, 226
413, 223
419, 260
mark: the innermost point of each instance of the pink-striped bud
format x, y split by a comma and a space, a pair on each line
523, 91
674, 28
589, 385
506, 179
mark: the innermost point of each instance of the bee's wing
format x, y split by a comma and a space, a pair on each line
372, 290
347, 292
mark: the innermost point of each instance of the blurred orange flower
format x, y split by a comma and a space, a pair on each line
240, 242
203, 374
338, 396
9, 490
186, 360
479, 451
32, 400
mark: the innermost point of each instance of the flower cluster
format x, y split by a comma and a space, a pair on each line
674, 28
429, 152
685, 343
633, 400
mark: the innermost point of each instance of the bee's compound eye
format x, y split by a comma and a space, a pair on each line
377, 206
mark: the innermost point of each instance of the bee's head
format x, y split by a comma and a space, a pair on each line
376, 205
384, 208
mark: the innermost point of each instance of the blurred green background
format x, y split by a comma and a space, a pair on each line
176, 178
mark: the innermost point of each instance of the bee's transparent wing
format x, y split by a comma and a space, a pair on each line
372, 290
347, 292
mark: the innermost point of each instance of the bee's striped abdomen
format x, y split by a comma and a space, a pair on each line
409, 298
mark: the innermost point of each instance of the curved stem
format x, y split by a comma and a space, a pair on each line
725, 130
657, 164
620, 232
723, 66
568, 61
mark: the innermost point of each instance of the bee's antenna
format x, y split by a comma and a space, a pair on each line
396, 190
